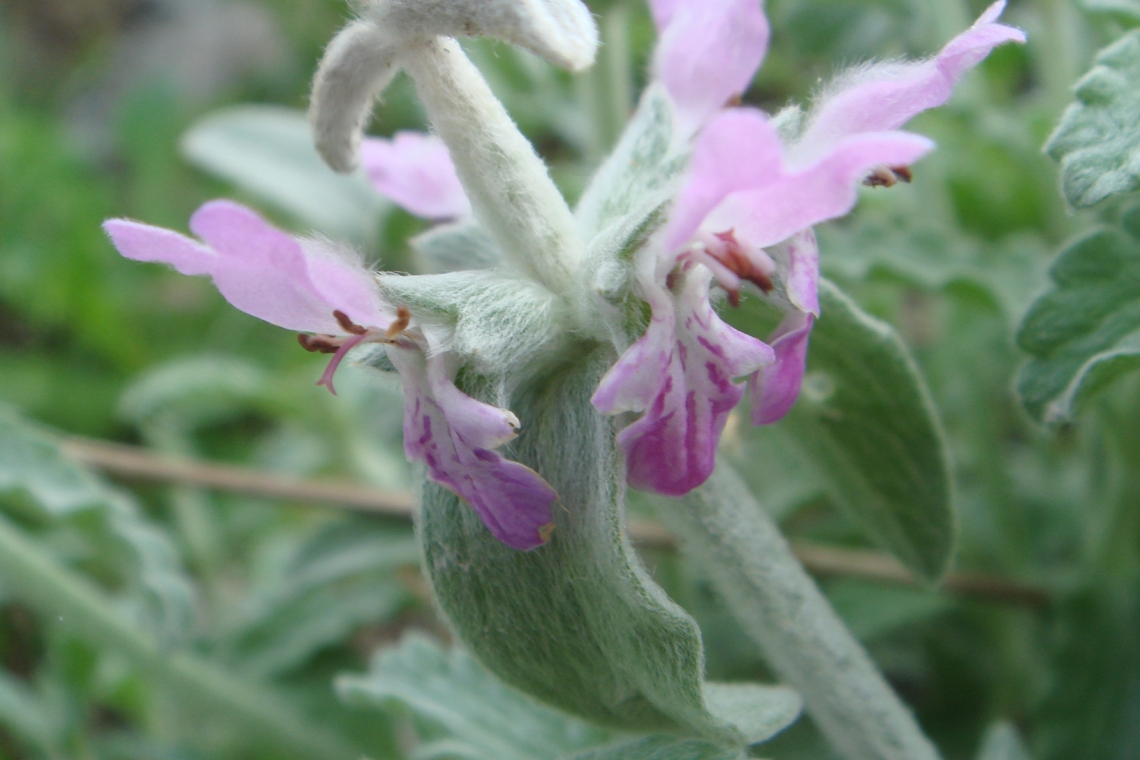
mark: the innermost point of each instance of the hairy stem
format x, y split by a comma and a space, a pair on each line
508, 184
58, 593
751, 564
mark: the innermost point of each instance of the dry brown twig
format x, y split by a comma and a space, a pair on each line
133, 462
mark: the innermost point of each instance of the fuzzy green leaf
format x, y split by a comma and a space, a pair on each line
156, 588
268, 151
627, 200
661, 748
481, 717
638, 175
454, 247
578, 622
1098, 139
865, 419
1085, 332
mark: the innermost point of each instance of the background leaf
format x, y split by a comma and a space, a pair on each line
1002, 742
74, 504
866, 420
268, 151
661, 748
1098, 139
1085, 332
480, 717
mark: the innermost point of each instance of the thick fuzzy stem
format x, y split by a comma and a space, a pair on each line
737, 543
508, 185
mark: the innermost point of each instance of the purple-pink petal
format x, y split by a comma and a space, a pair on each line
635, 380
889, 96
775, 388
259, 269
738, 181
737, 150
671, 448
791, 201
454, 435
708, 52
416, 172
797, 259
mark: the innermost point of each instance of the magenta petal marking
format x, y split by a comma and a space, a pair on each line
416, 172
452, 434
891, 95
258, 269
708, 52
671, 449
349, 344
775, 388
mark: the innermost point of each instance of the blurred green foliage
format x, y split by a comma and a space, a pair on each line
287, 597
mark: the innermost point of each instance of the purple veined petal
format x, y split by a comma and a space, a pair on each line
671, 449
886, 97
258, 268
416, 172
738, 149
445, 432
775, 388
787, 203
708, 52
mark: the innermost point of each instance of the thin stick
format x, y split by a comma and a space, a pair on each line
133, 462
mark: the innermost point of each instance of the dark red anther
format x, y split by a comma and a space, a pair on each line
736, 260
888, 176
320, 344
403, 319
903, 173
347, 324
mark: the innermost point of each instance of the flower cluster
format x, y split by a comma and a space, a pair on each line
740, 217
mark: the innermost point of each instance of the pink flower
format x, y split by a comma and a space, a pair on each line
415, 171
309, 285
745, 212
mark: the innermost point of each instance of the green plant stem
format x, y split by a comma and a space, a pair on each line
607, 87
508, 184
60, 594
751, 564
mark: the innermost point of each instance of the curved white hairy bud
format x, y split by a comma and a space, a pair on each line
561, 31
358, 64
362, 59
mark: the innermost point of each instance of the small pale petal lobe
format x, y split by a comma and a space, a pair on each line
708, 52
416, 172
454, 435
775, 388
